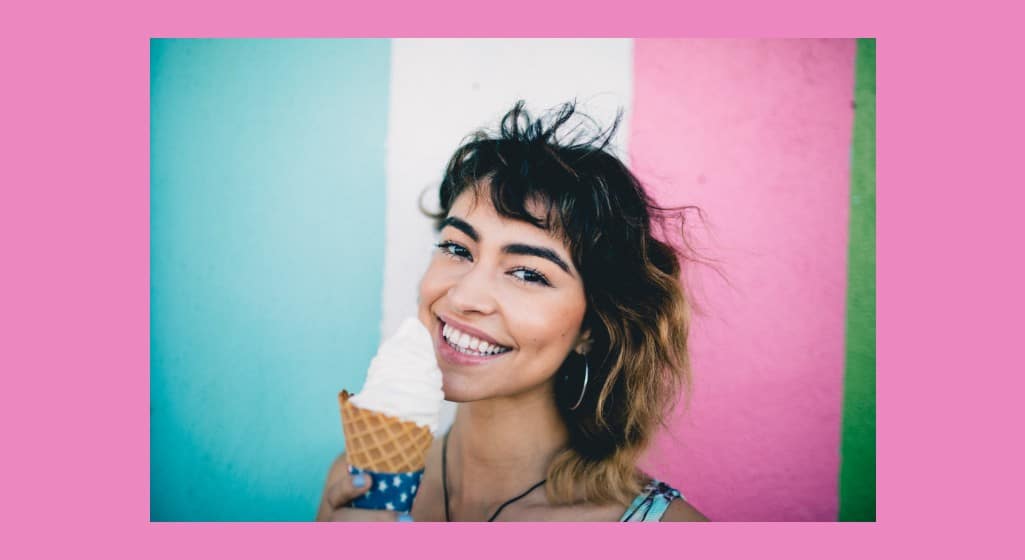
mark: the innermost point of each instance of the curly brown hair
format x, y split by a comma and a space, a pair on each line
637, 310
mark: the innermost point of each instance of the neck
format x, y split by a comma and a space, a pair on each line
499, 448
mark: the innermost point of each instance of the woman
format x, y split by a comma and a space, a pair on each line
547, 263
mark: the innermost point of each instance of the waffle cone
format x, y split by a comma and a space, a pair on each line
382, 443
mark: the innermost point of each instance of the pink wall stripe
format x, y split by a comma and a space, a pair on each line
757, 133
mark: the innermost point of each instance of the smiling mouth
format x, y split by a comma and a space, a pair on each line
468, 345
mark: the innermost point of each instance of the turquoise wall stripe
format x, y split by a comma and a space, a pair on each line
267, 240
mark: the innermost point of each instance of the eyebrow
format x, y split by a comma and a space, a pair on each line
512, 248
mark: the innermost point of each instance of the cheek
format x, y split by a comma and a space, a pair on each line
431, 285
550, 324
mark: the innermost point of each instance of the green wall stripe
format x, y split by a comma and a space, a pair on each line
858, 449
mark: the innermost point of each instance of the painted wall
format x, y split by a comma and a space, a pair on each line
757, 133
858, 453
267, 210
286, 241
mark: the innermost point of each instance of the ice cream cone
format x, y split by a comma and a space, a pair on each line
382, 443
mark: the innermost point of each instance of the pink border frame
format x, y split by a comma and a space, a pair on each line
76, 243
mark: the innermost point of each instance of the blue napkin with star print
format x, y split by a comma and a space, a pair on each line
389, 491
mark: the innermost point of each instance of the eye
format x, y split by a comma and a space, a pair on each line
454, 250
530, 276
522, 274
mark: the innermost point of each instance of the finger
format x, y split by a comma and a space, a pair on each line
347, 488
359, 514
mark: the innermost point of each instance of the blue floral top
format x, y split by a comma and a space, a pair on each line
652, 502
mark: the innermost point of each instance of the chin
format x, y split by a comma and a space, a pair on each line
455, 399
452, 393
455, 389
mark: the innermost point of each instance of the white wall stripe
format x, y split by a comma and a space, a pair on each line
443, 89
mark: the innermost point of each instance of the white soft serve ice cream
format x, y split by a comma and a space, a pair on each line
404, 380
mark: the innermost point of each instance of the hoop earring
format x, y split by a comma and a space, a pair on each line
582, 389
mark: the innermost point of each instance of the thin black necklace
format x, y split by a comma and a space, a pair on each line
444, 483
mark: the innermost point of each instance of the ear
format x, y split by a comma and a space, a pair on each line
584, 342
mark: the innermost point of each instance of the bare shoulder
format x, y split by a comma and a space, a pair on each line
680, 510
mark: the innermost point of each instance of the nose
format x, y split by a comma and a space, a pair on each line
473, 292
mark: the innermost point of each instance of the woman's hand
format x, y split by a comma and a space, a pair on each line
342, 488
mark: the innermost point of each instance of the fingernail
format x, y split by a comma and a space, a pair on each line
405, 516
359, 480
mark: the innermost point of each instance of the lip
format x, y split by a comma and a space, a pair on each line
452, 356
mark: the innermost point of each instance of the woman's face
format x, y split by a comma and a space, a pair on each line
501, 280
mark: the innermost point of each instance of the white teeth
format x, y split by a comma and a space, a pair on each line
469, 345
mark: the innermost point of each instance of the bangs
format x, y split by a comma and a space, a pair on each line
516, 201
546, 172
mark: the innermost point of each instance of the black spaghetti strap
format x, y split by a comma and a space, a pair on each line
501, 507
444, 483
